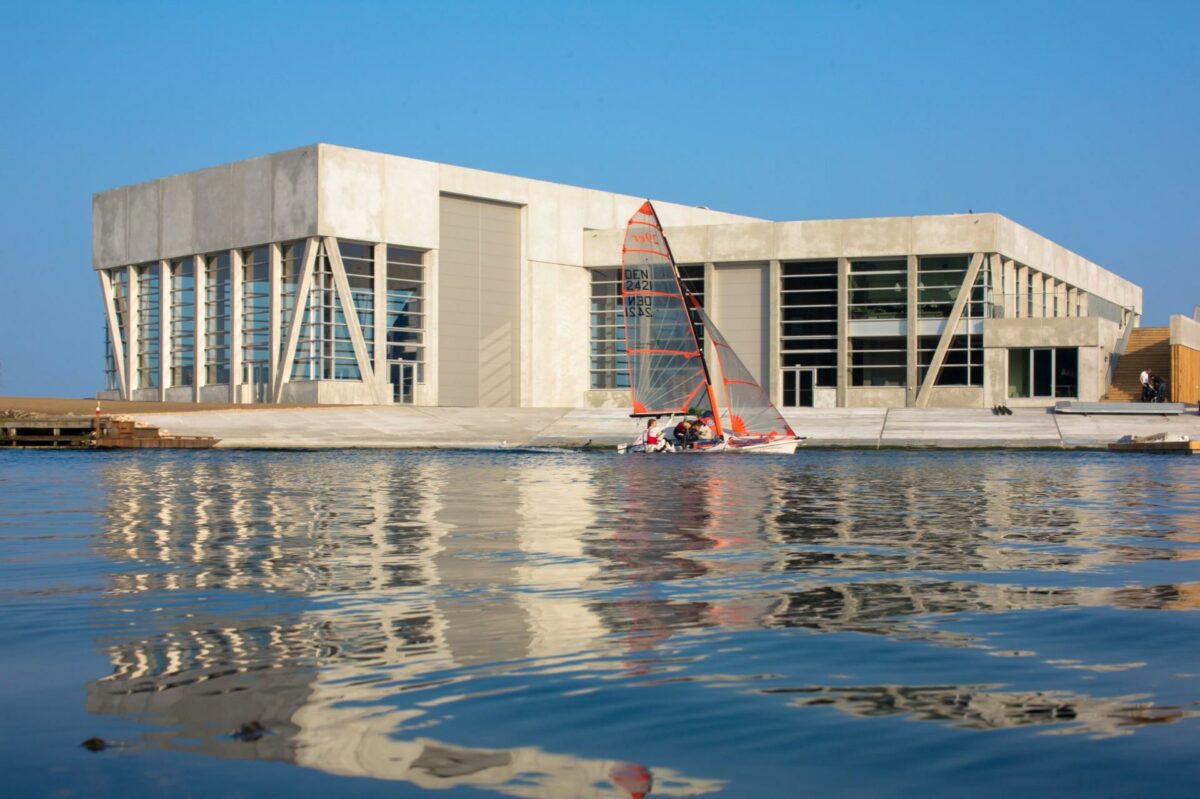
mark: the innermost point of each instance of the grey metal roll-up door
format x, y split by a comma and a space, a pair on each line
479, 301
742, 311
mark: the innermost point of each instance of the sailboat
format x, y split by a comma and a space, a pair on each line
669, 374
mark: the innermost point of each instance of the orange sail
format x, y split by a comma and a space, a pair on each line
748, 413
667, 372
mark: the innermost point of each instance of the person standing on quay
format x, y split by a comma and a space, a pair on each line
1145, 385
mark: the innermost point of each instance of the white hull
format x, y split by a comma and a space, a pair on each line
783, 446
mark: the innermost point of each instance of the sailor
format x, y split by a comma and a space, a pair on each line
652, 437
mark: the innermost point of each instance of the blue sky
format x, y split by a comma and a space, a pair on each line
1079, 120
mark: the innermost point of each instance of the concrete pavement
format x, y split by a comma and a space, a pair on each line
409, 427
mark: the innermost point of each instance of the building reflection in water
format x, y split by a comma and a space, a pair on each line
388, 575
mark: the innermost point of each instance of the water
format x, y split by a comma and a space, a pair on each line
575, 624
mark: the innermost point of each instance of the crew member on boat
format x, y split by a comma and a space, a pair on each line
652, 437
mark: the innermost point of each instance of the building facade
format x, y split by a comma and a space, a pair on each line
332, 275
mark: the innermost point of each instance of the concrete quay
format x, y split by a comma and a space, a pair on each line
411, 427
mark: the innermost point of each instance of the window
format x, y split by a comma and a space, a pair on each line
878, 362
324, 350
256, 320
110, 361
149, 325
183, 322
1043, 372
878, 289
406, 308
119, 278
691, 277
808, 318
609, 365
359, 262
962, 366
216, 319
292, 261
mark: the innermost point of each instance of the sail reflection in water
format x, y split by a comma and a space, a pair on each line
567, 625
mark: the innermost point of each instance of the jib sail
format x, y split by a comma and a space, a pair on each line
748, 411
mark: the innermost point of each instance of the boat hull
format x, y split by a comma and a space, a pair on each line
782, 446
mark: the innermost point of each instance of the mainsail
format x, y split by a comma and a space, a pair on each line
667, 373
748, 412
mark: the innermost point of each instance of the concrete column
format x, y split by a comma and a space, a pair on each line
132, 321
774, 385
427, 393
165, 340
1064, 299
275, 255
381, 319
1037, 294
1009, 297
198, 267
1022, 291
843, 317
911, 383
1082, 302
237, 279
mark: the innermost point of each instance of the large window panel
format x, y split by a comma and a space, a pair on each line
149, 325
183, 322
879, 289
878, 362
406, 308
217, 325
808, 318
256, 319
608, 365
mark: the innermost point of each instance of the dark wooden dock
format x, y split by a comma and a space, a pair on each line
81, 432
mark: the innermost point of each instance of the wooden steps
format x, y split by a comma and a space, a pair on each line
1148, 348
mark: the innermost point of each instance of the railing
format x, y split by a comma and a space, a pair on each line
1049, 306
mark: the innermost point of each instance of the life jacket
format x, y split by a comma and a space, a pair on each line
651, 438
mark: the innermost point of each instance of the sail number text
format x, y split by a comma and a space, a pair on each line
637, 280
639, 306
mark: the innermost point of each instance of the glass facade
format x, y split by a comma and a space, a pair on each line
808, 318
256, 321
691, 277
962, 366
879, 361
149, 325
1043, 372
359, 262
217, 326
324, 350
609, 367
406, 311
111, 383
879, 289
183, 322
292, 261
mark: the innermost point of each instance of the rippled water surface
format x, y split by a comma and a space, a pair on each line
578, 624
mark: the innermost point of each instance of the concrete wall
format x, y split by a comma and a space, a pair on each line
245, 203
1184, 332
949, 234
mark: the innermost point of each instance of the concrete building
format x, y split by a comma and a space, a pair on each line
331, 275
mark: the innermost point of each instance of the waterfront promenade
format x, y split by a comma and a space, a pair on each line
304, 427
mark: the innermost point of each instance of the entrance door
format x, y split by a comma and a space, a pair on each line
798, 385
257, 376
403, 377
